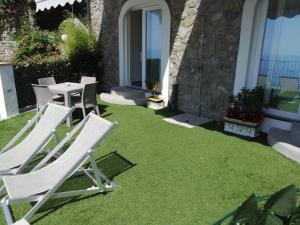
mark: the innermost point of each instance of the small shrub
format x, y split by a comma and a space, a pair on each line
153, 87
81, 46
247, 105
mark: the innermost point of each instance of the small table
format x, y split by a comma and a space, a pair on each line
67, 89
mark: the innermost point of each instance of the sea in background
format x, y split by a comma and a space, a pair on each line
281, 49
274, 68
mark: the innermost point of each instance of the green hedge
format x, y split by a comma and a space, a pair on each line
28, 74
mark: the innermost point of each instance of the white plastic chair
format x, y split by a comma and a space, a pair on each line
88, 99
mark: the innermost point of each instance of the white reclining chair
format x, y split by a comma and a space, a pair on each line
21, 222
15, 157
43, 181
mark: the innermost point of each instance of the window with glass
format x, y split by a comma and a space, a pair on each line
279, 70
153, 45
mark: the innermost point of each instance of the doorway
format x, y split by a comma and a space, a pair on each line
144, 44
136, 47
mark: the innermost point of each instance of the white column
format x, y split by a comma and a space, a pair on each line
8, 95
245, 44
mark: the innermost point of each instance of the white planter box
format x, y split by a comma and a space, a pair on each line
155, 105
8, 95
242, 128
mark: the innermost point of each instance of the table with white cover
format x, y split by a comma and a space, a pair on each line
67, 89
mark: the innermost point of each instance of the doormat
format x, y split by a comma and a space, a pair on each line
187, 120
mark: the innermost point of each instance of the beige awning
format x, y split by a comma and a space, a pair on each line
48, 4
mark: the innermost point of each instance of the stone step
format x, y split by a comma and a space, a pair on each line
119, 100
127, 92
281, 141
295, 133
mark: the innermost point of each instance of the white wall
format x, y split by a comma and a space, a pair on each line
8, 95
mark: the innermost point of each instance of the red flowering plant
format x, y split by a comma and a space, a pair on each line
247, 105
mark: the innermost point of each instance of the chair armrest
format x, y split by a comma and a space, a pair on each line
28, 125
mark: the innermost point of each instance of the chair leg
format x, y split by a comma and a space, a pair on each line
2, 190
7, 211
96, 107
83, 112
37, 111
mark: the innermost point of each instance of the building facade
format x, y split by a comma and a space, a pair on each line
208, 49
203, 47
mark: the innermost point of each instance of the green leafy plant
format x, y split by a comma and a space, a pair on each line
81, 45
34, 45
247, 105
153, 87
279, 209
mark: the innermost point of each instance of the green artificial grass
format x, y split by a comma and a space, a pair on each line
168, 174
288, 101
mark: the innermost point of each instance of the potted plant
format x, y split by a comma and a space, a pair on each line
154, 101
278, 209
245, 113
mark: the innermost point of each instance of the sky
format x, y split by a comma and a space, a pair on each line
282, 38
154, 34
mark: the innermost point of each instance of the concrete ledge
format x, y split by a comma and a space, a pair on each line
269, 123
119, 100
281, 141
127, 92
124, 96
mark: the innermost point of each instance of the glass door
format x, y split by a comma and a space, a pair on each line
153, 37
144, 44
279, 70
135, 48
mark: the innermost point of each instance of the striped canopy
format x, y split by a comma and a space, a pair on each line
48, 4
285, 8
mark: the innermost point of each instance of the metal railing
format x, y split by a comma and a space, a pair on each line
275, 69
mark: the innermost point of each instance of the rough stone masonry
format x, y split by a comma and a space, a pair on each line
204, 87
6, 47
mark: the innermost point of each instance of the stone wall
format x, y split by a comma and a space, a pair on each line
6, 47
220, 55
104, 20
204, 89
96, 10
11, 17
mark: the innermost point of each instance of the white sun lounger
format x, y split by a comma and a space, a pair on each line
15, 157
44, 180
21, 222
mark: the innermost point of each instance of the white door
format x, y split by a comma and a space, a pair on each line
144, 45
